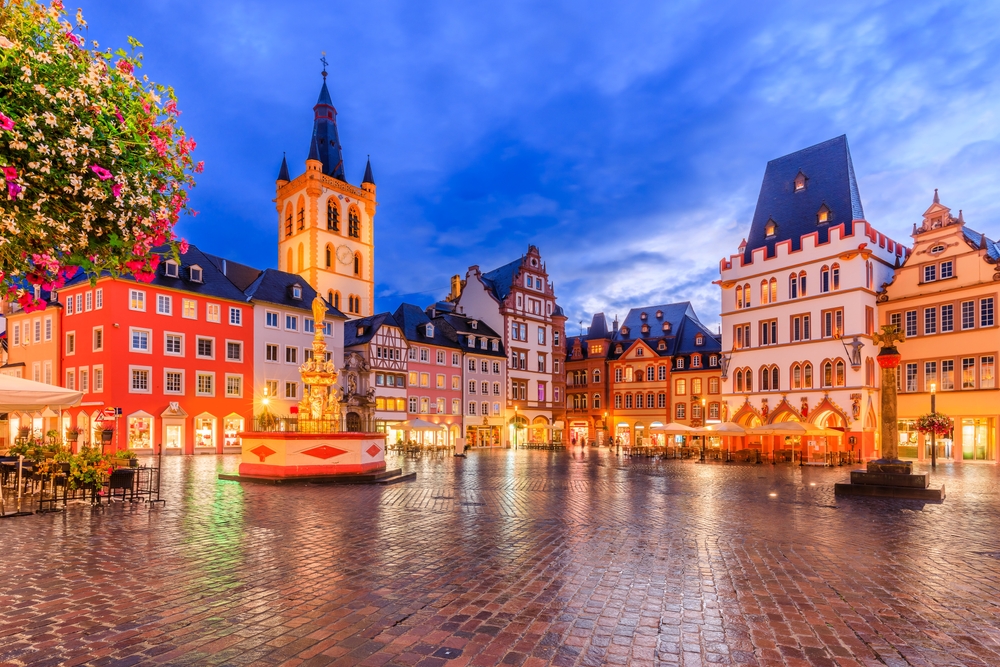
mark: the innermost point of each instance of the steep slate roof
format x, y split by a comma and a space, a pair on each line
368, 178
976, 239
410, 319
457, 327
684, 326
501, 280
371, 325
214, 282
273, 286
325, 143
283, 171
240, 275
831, 181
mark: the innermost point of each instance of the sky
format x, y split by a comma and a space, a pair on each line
626, 140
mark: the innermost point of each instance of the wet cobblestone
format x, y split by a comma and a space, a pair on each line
513, 558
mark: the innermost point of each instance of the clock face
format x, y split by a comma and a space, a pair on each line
344, 254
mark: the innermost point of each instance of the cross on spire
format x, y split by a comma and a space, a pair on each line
323, 60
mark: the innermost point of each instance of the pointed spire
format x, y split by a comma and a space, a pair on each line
937, 200
961, 218
283, 172
313, 150
368, 172
328, 149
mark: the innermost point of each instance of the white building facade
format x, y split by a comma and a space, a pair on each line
799, 307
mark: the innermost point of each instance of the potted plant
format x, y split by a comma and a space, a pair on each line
107, 433
72, 434
126, 459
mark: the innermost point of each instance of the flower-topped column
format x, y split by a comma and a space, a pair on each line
888, 360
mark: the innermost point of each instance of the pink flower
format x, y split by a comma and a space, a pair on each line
200, 167
6, 123
13, 189
183, 247
10, 173
101, 172
125, 66
116, 190
118, 115
73, 38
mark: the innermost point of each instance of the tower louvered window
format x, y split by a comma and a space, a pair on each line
332, 217
354, 223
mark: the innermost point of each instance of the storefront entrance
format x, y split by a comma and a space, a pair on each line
579, 433
977, 440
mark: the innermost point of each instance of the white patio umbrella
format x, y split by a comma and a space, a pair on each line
673, 428
22, 395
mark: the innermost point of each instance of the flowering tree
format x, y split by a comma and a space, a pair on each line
95, 168
934, 422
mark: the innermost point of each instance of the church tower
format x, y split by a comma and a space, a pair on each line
325, 224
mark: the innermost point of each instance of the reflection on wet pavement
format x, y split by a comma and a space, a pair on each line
514, 558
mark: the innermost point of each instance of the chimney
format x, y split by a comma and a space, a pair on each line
224, 267
456, 287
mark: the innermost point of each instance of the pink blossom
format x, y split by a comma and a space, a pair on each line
118, 115
6, 123
101, 172
116, 190
73, 38
13, 189
183, 247
125, 66
200, 167
10, 173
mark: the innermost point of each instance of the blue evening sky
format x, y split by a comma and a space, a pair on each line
625, 139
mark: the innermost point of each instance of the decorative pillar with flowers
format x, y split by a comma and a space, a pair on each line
888, 360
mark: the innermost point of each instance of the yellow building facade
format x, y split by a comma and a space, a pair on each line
944, 299
325, 224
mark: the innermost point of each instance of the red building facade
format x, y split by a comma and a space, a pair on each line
173, 358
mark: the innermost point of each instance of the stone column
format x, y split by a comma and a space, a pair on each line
889, 428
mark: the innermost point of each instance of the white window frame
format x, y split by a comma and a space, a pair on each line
137, 300
97, 372
292, 347
277, 317
167, 352
277, 353
47, 327
99, 298
70, 336
197, 379
132, 331
184, 308
233, 376
173, 370
294, 319
238, 342
213, 310
197, 353
93, 339
238, 312
149, 379
164, 299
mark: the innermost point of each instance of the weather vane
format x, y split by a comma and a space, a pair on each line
323, 60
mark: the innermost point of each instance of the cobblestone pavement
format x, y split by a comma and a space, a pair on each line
513, 558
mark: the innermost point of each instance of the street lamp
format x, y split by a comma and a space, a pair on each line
701, 422
933, 435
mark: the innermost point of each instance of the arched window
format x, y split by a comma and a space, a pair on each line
841, 379
763, 292
748, 380
835, 276
773, 286
288, 262
583, 401
329, 256
329, 297
357, 264
774, 379
597, 401
739, 297
288, 223
765, 379
827, 374
869, 372
332, 216
869, 274
739, 380
597, 375
301, 257
796, 376
802, 283
824, 280
353, 223
335, 300
807, 375
793, 286
302, 216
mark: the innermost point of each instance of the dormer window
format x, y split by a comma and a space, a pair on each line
662, 345
643, 317
170, 269
495, 346
473, 324
771, 228
429, 330
624, 331
659, 314
823, 215
800, 182
699, 339
680, 362
296, 291
471, 340
361, 330
645, 328
618, 349
195, 273
666, 326
482, 343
